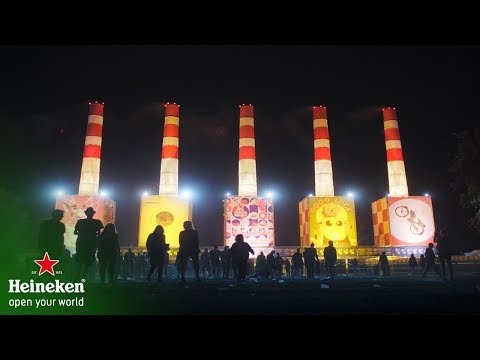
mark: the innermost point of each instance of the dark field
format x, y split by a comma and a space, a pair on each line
345, 295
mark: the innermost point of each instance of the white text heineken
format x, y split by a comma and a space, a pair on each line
16, 286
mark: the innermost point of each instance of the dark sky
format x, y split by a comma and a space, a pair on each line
46, 89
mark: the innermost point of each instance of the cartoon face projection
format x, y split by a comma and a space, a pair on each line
332, 225
164, 218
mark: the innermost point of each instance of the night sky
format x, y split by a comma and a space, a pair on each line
44, 108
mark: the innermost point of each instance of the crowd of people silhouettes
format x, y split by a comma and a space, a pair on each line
104, 244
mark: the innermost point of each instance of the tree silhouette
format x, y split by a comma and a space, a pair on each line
466, 171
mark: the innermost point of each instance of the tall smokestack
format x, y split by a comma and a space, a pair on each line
323, 160
90, 175
247, 165
169, 165
397, 179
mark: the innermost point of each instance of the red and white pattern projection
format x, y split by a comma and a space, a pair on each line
397, 178
90, 173
247, 164
252, 217
323, 160
169, 164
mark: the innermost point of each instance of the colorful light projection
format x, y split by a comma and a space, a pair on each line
168, 211
403, 221
251, 216
74, 207
328, 218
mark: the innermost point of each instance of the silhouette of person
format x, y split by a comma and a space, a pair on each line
422, 262
240, 250
412, 263
384, 264
156, 247
261, 265
444, 248
226, 258
141, 265
271, 263
215, 261
297, 263
205, 263
50, 235
430, 260
189, 248
87, 230
287, 267
330, 255
129, 263
310, 255
108, 253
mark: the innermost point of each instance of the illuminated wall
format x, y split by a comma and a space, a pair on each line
251, 216
168, 211
401, 221
75, 206
327, 218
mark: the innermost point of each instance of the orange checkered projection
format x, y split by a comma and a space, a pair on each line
169, 163
304, 223
397, 178
321, 146
247, 165
381, 226
90, 173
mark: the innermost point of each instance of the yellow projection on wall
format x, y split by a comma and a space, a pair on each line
328, 218
168, 211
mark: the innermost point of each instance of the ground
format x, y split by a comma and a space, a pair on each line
344, 295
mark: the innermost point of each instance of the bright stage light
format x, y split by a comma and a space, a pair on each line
350, 194
186, 194
103, 193
310, 195
145, 193
270, 194
227, 194
60, 193
426, 194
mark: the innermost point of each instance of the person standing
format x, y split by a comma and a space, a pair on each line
240, 250
51, 236
156, 247
108, 251
430, 260
384, 264
330, 255
189, 248
215, 261
297, 264
310, 255
86, 246
412, 263
226, 259
444, 248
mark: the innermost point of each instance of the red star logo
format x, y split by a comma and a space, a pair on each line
46, 264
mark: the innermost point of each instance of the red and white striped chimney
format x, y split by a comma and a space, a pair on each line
169, 164
397, 178
323, 160
90, 174
247, 164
